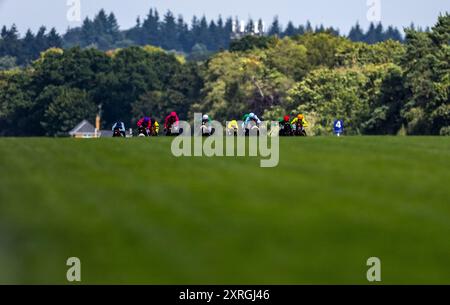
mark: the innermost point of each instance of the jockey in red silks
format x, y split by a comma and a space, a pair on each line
145, 122
171, 120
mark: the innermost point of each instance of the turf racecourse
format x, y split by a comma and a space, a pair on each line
133, 213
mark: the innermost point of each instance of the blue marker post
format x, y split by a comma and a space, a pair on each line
338, 127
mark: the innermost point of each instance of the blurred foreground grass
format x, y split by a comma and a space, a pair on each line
133, 213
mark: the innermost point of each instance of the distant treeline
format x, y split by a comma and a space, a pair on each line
199, 38
384, 88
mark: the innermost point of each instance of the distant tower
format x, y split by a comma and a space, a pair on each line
237, 31
261, 28
240, 29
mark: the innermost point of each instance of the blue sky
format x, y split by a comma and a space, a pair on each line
340, 13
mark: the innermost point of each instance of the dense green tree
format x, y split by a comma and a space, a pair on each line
87, 33
216, 36
349, 54
250, 42
151, 29
199, 53
53, 39
220, 37
112, 28
322, 48
169, 39
66, 107
372, 34
10, 43
15, 104
289, 58
73, 37
328, 95
384, 117
393, 34
182, 35
75, 67
275, 29
7, 62
236, 83
28, 53
356, 33
182, 89
135, 33
427, 77
102, 32
203, 34
290, 30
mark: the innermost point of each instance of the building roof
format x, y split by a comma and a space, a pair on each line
83, 127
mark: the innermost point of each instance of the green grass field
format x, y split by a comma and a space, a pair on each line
133, 213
